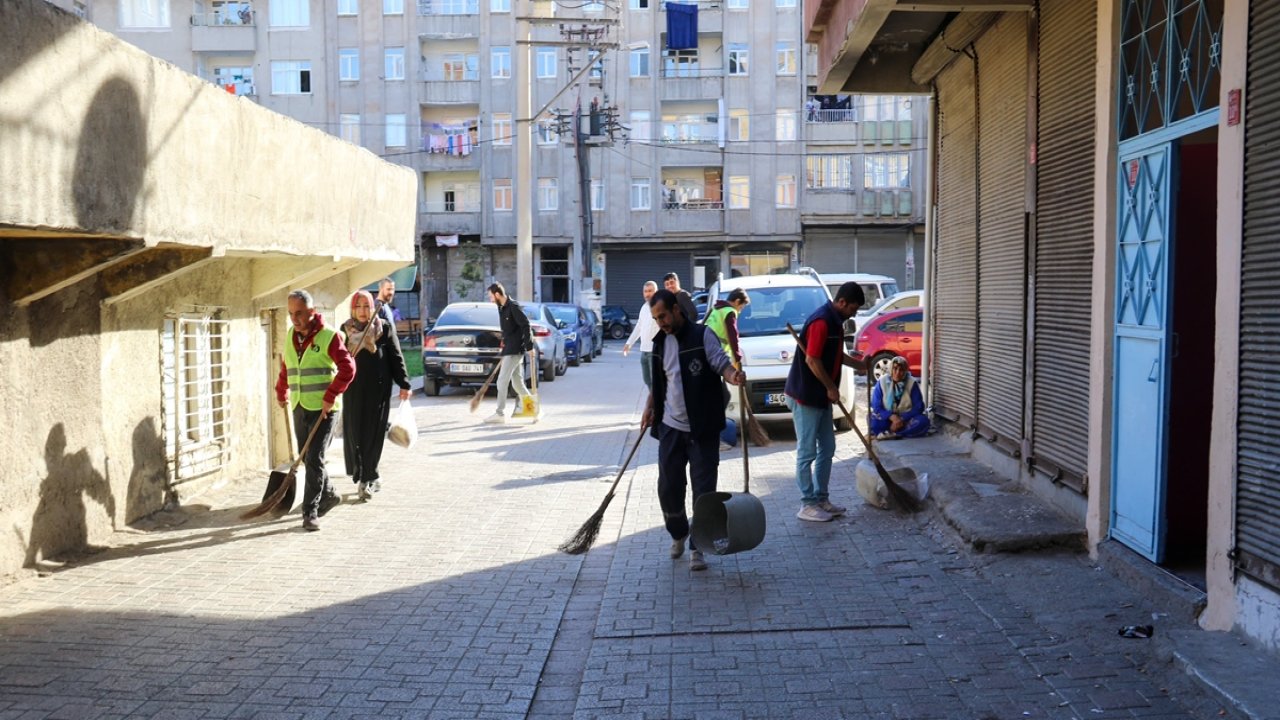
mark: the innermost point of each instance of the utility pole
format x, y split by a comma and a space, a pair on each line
524, 156
584, 189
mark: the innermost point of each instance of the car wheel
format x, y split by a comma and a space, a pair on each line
842, 424
617, 332
880, 366
588, 356
430, 387
549, 372
563, 367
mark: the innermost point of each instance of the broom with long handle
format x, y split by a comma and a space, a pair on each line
475, 400
271, 502
901, 498
581, 541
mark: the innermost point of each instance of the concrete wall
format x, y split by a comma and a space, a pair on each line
96, 136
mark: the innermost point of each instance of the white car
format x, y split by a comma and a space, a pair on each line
768, 348
904, 299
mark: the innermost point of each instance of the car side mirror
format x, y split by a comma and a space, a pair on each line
561, 324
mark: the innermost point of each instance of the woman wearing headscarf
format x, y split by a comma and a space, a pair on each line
897, 406
372, 341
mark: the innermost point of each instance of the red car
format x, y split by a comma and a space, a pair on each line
900, 332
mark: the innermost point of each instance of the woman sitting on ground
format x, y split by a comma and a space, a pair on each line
897, 406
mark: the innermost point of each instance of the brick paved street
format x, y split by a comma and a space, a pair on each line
445, 598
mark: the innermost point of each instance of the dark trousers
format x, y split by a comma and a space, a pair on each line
676, 450
317, 476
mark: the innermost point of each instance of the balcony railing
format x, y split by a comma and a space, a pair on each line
448, 7
844, 115
694, 204
241, 16
704, 132
444, 206
690, 71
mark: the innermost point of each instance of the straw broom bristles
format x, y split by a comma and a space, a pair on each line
582, 540
475, 400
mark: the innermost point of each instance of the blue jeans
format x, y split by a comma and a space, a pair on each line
646, 368
815, 446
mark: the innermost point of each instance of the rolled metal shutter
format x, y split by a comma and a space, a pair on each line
1063, 262
955, 270
626, 272
1257, 549
830, 250
1002, 239
883, 254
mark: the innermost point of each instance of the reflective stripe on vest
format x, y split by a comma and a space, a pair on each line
310, 376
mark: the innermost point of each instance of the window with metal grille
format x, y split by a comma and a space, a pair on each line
195, 357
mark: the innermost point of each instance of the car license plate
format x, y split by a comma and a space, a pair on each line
775, 399
470, 368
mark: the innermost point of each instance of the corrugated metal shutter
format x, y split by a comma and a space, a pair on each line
882, 254
1063, 273
626, 272
956, 268
1258, 449
1002, 241
830, 250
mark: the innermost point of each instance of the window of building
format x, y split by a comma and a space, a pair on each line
593, 6
290, 13
739, 125
144, 13
348, 7
461, 66
547, 134
786, 3
80, 10
349, 128
393, 64
738, 4
196, 394
500, 63
392, 7
786, 191
641, 126
502, 128
886, 107
546, 62
738, 58
640, 61
829, 172
499, 6
502, 196
597, 195
690, 128
786, 58
680, 63
638, 4
449, 7
236, 79
597, 65
739, 192
785, 126
397, 130
348, 64
548, 194
641, 194
290, 77
887, 170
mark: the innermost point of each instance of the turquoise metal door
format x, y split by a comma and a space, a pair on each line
1145, 247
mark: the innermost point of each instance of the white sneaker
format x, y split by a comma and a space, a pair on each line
677, 547
832, 509
496, 419
813, 513
362, 492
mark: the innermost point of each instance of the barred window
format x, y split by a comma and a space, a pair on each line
829, 172
194, 349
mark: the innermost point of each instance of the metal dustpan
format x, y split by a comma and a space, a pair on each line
726, 522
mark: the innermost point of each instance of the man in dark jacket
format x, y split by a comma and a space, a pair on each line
516, 341
671, 281
685, 412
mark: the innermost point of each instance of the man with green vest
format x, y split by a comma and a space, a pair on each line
317, 369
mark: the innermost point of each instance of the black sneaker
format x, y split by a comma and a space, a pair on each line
309, 523
329, 502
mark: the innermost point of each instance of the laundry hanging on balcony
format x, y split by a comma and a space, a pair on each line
449, 139
682, 26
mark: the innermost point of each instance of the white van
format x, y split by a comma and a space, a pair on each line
767, 347
874, 287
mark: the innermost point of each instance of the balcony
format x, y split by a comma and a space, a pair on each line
449, 218
690, 84
224, 31
710, 14
437, 155
692, 216
438, 91
448, 19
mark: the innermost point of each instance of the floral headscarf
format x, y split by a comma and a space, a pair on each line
363, 336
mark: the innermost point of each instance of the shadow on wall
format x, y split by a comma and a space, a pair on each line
112, 158
60, 525
148, 487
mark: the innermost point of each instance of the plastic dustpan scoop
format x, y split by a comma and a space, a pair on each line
725, 523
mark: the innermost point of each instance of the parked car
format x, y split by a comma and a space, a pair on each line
904, 299
462, 347
767, 347
700, 303
597, 333
617, 324
899, 332
555, 361
874, 287
578, 334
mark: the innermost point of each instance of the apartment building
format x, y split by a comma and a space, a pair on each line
724, 160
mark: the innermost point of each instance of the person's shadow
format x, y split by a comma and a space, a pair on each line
60, 525
148, 482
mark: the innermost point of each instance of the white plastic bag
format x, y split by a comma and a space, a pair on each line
404, 428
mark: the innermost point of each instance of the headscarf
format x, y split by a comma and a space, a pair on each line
363, 336
894, 391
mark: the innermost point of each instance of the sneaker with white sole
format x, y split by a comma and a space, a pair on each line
814, 513
496, 418
375, 486
677, 548
696, 561
832, 509
362, 491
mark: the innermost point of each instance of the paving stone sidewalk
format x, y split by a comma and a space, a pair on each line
445, 598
